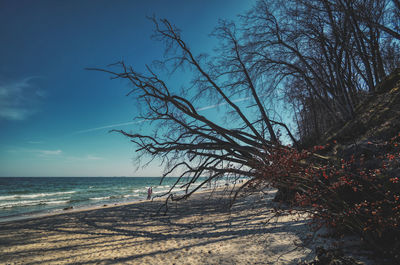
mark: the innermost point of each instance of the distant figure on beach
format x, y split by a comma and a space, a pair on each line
149, 192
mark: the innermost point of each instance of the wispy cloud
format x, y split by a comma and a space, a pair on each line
137, 122
108, 126
210, 107
40, 152
85, 158
48, 152
92, 157
19, 99
222, 104
35, 142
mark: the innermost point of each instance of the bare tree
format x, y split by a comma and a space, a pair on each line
325, 53
188, 142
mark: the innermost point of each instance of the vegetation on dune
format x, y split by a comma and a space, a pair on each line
333, 64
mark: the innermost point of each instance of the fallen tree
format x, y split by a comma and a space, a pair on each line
185, 140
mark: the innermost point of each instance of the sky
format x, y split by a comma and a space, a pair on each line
55, 116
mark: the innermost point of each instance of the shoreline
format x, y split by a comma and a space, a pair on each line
80, 194
200, 230
89, 207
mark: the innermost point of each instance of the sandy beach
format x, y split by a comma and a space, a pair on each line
200, 230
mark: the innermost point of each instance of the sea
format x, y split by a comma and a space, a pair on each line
25, 197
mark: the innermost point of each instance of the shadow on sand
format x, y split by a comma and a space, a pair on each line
200, 228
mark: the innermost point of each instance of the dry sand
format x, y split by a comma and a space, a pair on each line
200, 230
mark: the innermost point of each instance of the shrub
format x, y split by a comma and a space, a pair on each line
360, 194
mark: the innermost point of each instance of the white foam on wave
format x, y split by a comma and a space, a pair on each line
100, 198
131, 195
163, 186
9, 197
35, 195
31, 203
162, 191
106, 198
57, 202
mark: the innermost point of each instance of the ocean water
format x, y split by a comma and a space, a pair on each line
24, 197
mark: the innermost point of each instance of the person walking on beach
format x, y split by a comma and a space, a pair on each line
149, 192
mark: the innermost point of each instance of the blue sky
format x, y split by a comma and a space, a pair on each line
54, 115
